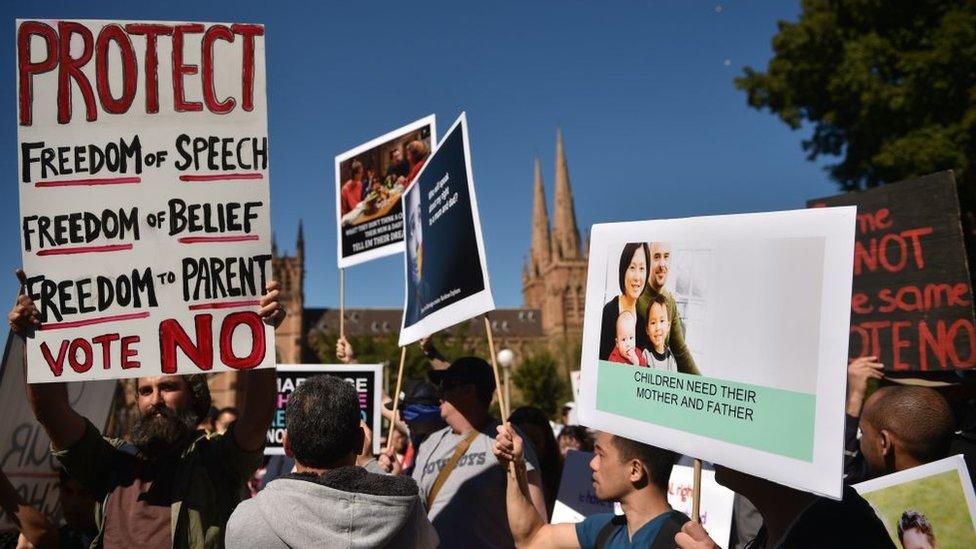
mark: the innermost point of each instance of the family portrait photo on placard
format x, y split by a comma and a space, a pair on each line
717, 329
370, 181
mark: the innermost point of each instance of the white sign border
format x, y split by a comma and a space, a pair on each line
822, 476
471, 306
389, 249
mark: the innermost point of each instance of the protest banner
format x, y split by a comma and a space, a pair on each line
365, 378
574, 379
743, 322
912, 305
369, 181
932, 505
25, 456
576, 499
145, 214
447, 274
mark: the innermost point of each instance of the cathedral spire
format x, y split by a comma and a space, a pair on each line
541, 241
565, 235
300, 241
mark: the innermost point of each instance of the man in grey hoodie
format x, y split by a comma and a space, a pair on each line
329, 502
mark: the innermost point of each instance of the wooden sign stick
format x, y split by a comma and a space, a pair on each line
396, 398
696, 493
502, 405
342, 304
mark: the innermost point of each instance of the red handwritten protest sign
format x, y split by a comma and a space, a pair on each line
144, 197
912, 302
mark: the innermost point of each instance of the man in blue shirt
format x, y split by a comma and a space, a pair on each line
630, 472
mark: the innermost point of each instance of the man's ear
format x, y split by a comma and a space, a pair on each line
635, 471
886, 443
287, 444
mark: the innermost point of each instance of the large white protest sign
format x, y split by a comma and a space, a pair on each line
369, 182
145, 214
934, 504
576, 499
366, 379
724, 338
446, 271
25, 456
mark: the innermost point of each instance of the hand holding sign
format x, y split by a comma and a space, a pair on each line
272, 311
24, 317
693, 536
508, 447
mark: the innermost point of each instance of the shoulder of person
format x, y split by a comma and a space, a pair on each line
248, 527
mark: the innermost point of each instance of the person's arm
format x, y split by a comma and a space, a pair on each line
528, 527
434, 356
48, 401
33, 525
537, 494
387, 414
259, 400
676, 341
859, 371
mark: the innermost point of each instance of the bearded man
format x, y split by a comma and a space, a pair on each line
170, 485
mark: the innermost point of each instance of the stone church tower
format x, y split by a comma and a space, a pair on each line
554, 277
289, 271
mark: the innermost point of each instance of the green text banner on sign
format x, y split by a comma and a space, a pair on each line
710, 407
724, 338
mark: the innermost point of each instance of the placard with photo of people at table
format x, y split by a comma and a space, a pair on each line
370, 180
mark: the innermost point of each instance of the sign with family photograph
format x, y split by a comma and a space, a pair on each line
912, 305
932, 505
446, 271
144, 197
724, 338
365, 378
370, 179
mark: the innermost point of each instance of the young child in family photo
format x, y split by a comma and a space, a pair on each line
625, 351
658, 325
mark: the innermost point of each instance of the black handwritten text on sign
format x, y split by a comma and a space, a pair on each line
143, 165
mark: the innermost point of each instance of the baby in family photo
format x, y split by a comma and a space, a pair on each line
626, 351
658, 355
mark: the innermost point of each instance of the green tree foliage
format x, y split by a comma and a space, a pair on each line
888, 85
541, 383
385, 350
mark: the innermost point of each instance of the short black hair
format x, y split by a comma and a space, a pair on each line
658, 299
918, 416
657, 461
322, 419
627, 255
579, 434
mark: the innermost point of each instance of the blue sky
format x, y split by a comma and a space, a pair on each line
642, 90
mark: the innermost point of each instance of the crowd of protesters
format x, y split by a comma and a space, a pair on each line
453, 475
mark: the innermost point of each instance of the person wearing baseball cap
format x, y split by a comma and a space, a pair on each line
460, 479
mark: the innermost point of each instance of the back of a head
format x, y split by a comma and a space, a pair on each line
918, 417
322, 420
657, 461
